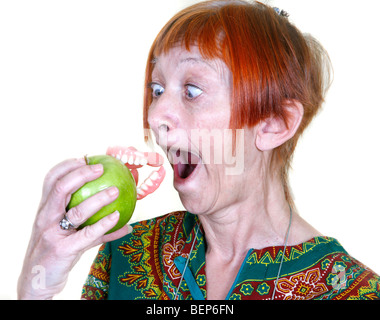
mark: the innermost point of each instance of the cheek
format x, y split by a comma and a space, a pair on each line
214, 111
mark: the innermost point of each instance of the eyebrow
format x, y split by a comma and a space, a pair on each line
197, 60
189, 59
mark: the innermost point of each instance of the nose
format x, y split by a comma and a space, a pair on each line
164, 119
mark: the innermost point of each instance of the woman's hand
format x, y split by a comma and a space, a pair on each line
52, 251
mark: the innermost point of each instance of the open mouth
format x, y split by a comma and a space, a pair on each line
184, 163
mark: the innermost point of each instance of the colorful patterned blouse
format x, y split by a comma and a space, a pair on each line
148, 264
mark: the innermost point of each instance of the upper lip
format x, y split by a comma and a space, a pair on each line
183, 156
183, 162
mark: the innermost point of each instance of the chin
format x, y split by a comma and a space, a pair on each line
192, 197
198, 197
192, 204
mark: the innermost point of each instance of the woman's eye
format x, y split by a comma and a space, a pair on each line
192, 91
157, 90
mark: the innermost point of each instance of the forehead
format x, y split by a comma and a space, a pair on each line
179, 57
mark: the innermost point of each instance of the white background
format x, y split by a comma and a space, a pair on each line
71, 81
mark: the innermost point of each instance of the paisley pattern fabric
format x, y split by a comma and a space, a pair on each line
149, 262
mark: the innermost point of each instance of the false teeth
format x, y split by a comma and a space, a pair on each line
151, 183
136, 159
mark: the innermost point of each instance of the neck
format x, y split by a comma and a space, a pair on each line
258, 220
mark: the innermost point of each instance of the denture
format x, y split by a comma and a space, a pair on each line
134, 160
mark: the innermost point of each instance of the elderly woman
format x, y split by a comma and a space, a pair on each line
242, 78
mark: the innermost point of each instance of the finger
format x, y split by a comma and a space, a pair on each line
57, 172
80, 213
117, 234
65, 186
94, 234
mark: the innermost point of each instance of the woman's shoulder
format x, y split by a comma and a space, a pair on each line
132, 255
353, 280
343, 276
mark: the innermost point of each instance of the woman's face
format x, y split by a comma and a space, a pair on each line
190, 116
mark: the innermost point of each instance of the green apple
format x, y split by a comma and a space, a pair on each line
115, 173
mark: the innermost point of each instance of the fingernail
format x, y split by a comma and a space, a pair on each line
130, 228
114, 215
112, 191
97, 167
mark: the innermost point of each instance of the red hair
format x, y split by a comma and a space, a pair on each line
270, 60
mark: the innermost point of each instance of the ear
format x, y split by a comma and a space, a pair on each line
274, 131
